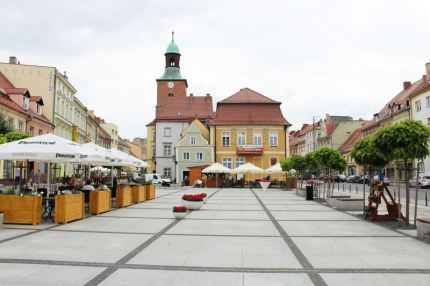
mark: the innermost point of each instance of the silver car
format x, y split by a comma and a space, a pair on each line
423, 182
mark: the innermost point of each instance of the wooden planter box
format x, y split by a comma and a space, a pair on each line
150, 191
69, 207
100, 202
138, 193
331, 201
1, 219
21, 209
123, 196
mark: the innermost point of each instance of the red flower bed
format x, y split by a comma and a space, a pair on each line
204, 195
193, 197
179, 209
265, 181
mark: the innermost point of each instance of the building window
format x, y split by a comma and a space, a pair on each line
40, 131
257, 139
225, 138
25, 102
428, 101
226, 162
240, 161
167, 172
241, 138
38, 109
11, 123
273, 139
20, 126
167, 132
186, 156
167, 150
193, 140
31, 130
417, 106
273, 161
199, 156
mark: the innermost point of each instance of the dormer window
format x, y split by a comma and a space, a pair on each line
38, 109
25, 102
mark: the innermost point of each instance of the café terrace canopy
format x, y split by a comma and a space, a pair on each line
274, 169
48, 148
248, 168
216, 168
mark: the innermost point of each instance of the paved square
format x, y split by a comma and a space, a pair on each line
240, 237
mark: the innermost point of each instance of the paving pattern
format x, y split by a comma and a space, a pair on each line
240, 237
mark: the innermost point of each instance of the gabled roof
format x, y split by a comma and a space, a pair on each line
346, 146
5, 82
37, 99
247, 95
330, 128
203, 130
185, 108
422, 87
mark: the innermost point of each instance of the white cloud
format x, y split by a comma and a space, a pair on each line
317, 57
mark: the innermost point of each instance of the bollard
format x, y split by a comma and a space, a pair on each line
426, 200
349, 188
356, 189
343, 187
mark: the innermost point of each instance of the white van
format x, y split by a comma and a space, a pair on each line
158, 179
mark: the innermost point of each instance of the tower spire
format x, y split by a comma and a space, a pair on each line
173, 36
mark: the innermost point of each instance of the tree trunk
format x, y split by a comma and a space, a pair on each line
407, 191
416, 196
364, 190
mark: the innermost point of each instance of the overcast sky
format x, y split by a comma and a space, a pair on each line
316, 57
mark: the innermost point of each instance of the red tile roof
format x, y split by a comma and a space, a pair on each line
36, 98
248, 107
185, 108
15, 90
4, 81
346, 147
247, 95
423, 86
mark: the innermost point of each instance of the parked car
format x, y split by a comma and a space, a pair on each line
158, 179
342, 178
364, 179
353, 179
387, 181
423, 182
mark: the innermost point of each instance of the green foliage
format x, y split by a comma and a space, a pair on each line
408, 139
330, 159
366, 154
4, 125
310, 161
3, 139
16, 135
295, 162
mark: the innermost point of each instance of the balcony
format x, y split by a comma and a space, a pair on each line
249, 149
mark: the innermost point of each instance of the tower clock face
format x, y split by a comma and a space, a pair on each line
170, 84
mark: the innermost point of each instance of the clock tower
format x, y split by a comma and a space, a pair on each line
171, 83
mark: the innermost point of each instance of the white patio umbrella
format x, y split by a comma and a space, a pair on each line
248, 168
274, 169
45, 148
216, 168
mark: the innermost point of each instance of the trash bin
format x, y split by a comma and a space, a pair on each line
309, 193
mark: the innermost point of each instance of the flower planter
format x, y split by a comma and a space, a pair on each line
138, 193
264, 185
349, 204
150, 191
123, 196
21, 209
192, 205
423, 228
69, 207
100, 202
331, 201
180, 215
205, 199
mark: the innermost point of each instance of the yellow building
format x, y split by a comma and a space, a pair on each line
150, 147
249, 128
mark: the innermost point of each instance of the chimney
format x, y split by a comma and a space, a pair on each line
208, 97
65, 75
406, 85
428, 71
13, 60
191, 94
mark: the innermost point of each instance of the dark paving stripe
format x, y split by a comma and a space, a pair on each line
314, 276
215, 269
219, 235
110, 270
29, 233
100, 231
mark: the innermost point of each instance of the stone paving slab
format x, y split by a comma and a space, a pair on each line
365, 252
71, 246
225, 227
138, 212
297, 207
223, 207
312, 215
335, 228
117, 224
210, 251
376, 279
37, 274
225, 214
6, 233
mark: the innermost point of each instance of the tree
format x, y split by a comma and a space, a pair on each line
406, 140
310, 162
16, 135
295, 162
4, 125
366, 154
329, 160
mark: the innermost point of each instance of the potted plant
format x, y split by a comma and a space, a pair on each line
192, 201
22, 207
180, 212
264, 183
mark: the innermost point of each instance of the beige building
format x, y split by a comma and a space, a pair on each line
112, 130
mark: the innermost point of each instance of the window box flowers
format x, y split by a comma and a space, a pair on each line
180, 212
193, 201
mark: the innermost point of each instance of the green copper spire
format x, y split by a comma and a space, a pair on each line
172, 48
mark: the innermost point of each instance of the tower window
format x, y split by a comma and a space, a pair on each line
170, 94
172, 62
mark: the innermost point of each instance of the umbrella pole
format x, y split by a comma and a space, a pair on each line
48, 180
216, 180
